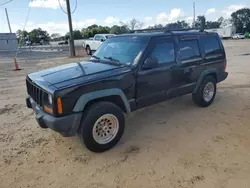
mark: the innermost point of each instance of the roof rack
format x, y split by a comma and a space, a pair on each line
165, 30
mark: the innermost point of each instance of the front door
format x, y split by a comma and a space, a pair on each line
96, 42
154, 84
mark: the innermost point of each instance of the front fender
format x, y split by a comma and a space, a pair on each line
85, 98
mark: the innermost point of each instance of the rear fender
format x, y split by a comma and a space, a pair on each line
202, 76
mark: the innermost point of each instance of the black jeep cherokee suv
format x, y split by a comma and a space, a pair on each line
126, 73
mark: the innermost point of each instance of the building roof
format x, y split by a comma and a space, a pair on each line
8, 36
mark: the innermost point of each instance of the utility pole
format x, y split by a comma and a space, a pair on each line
194, 15
7, 16
71, 36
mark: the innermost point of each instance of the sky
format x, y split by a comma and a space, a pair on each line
48, 15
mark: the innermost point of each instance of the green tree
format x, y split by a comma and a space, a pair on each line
241, 20
115, 29
21, 35
38, 35
175, 25
66, 37
220, 22
200, 22
119, 29
157, 26
93, 30
212, 25
226, 22
133, 24
178, 25
183, 24
77, 34
55, 36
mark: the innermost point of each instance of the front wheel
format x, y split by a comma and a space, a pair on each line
102, 126
88, 50
206, 92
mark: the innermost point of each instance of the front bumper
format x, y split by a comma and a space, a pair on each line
66, 125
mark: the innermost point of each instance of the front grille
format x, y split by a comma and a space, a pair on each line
36, 93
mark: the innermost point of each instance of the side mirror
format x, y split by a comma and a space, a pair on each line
150, 63
102, 40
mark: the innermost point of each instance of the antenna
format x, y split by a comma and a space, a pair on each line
194, 15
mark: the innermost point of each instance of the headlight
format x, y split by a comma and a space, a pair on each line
50, 99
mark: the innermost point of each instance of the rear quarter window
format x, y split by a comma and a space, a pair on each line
211, 45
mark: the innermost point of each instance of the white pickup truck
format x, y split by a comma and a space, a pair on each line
93, 44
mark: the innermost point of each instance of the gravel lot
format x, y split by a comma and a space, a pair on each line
171, 144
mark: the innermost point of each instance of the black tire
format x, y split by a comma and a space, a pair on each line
198, 97
93, 113
88, 50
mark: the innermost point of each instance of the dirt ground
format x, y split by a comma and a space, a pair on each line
172, 144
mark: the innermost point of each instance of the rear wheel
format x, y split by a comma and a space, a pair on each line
206, 92
102, 126
88, 50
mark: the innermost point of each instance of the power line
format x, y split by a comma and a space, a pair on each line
6, 2
21, 40
74, 8
27, 18
64, 10
62, 7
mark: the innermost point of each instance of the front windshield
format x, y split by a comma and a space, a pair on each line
124, 50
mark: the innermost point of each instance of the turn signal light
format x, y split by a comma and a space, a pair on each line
59, 105
48, 109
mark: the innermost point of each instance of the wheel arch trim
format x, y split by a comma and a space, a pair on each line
202, 76
85, 98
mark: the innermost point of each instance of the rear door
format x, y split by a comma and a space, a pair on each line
189, 60
153, 84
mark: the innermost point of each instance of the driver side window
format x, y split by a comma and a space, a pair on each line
163, 51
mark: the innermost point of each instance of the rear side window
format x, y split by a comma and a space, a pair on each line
211, 45
164, 52
189, 49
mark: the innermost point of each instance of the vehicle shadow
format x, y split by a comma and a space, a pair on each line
157, 120
153, 124
157, 115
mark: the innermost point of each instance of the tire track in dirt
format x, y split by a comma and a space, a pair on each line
11, 109
243, 86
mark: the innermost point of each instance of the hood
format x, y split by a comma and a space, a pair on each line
73, 73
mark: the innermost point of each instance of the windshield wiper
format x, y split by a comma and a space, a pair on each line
98, 58
113, 60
